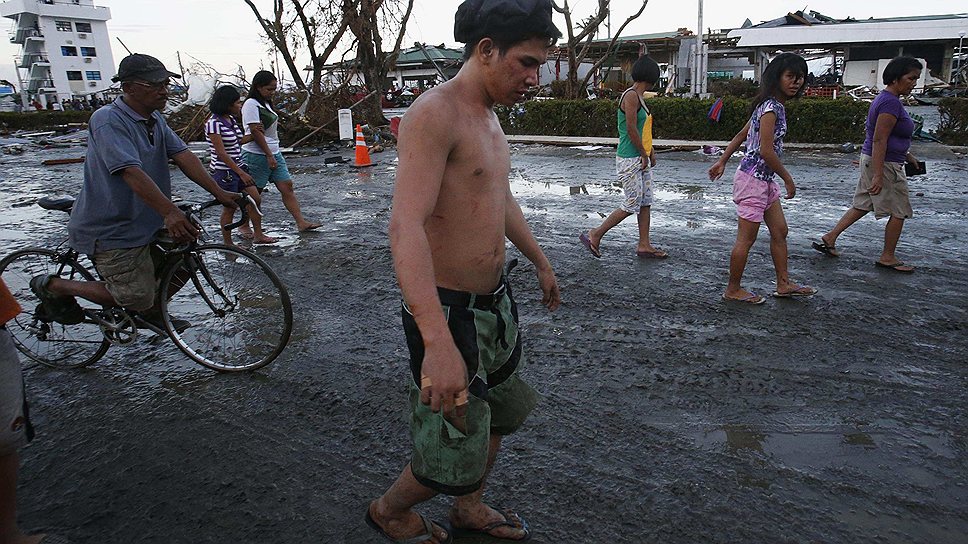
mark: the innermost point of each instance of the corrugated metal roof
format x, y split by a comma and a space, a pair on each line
910, 29
415, 55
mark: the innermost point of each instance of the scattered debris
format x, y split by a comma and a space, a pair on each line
55, 162
848, 148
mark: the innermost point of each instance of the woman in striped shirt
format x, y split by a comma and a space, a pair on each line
225, 139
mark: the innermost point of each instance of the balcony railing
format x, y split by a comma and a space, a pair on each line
35, 84
28, 60
23, 33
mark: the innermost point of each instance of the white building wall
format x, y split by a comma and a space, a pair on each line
102, 63
48, 13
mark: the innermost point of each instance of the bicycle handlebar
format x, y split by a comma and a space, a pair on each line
244, 202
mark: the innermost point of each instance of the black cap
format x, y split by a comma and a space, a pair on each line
138, 66
477, 19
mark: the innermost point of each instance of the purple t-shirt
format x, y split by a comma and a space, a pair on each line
753, 163
899, 141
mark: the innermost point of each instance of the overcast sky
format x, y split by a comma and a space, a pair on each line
224, 33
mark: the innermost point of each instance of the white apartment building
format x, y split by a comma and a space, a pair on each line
65, 48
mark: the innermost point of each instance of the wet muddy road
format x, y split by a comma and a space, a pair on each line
668, 416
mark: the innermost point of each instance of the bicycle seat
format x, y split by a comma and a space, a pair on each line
61, 203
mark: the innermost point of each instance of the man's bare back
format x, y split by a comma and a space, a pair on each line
466, 229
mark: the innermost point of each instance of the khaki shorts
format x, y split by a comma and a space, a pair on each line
15, 430
130, 275
893, 200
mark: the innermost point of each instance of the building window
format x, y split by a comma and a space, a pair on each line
83, 27
93, 75
63, 26
68, 51
74, 75
88, 52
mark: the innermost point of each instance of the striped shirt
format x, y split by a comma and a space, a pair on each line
231, 134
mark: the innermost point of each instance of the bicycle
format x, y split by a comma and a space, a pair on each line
240, 313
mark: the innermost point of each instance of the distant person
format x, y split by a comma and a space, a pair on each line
634, 160
225, 139
37, 105
262, 154
453, 212
55, 105
882, 187
15, 429
755, 190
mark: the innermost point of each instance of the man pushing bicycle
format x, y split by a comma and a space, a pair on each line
126, 199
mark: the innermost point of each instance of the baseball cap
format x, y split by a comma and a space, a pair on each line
146, 67
476, 19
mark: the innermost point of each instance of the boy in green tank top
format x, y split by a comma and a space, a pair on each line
634, 160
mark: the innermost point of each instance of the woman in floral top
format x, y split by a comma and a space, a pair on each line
755, 190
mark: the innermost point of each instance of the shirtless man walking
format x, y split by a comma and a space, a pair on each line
452, 210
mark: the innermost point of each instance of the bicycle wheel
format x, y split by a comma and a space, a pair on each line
239, 310
48, 342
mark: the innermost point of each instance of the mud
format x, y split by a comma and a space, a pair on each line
668, 416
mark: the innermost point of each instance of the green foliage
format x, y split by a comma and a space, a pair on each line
738, 87
814, 120
41, 120
953, 128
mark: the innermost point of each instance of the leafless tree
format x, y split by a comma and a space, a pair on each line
580, 36
321, 28
369, 21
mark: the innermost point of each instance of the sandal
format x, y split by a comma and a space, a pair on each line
826, 249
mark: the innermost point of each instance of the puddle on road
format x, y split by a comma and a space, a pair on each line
815, 449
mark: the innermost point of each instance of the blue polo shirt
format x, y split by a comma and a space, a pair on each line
108, 214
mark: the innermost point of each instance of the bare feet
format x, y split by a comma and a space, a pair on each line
506, 525
408, 526
264, 239
245, 233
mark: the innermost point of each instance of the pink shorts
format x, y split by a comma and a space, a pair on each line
753, 196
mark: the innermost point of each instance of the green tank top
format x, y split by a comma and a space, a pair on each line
643, 122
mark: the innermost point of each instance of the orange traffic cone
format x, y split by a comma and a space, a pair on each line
362, 153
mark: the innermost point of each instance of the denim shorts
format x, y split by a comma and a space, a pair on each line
228, 180
259, 169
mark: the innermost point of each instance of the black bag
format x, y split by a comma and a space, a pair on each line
912, 170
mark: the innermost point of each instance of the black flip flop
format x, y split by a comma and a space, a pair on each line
822, 247
419, 539
895, 267
507, 522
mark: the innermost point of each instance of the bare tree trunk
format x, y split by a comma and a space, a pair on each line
276, 33
579, 43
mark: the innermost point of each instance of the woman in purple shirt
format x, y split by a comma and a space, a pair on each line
882, 188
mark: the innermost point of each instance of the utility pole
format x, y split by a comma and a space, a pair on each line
699, 64
961, 61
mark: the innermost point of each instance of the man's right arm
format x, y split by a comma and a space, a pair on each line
176, 221
424, 145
